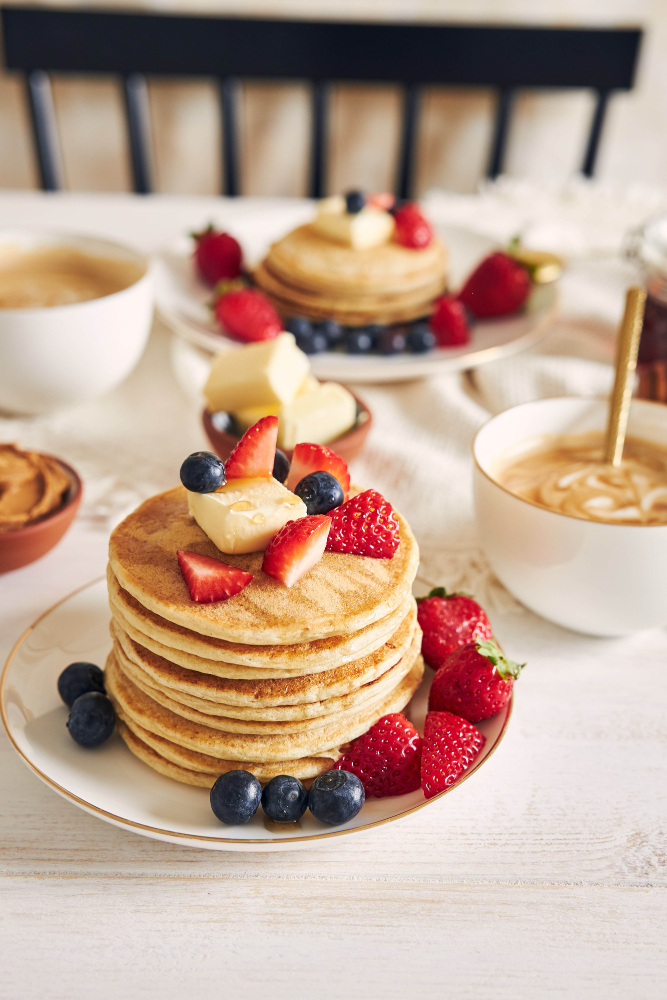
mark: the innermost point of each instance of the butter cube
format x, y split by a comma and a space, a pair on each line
244, 514
249, 415
371, 227
318, 416
264, 374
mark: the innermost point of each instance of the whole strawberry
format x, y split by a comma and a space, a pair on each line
386, 759
366, 525
449, 621
497, 287
449, 322
449, 747
248, 315
217, 255
412, 229
474, 682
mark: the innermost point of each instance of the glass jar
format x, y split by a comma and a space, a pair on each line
647, 246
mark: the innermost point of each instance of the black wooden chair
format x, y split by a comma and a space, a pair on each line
39, 41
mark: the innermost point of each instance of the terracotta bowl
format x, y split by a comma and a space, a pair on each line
348, 445
25, 545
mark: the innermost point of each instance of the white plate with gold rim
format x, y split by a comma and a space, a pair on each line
183, 304
115, 786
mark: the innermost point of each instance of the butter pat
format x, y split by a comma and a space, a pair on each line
264, 374
244, 514
371, 227
318, 416
249, 415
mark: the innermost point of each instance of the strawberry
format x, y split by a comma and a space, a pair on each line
386, 759
449, 322
449, 747
255, 453
209, 579
296, 548
412, 229
364, 526
474, 681
384, 200
217, 255
308, 458
498, 286
449, 621
248, 315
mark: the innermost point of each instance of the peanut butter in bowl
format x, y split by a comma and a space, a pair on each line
567, 474
32, 486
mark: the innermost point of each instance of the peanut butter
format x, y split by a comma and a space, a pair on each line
32, 486
59, 276
568, 474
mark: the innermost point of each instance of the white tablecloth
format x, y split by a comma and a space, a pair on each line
543, 876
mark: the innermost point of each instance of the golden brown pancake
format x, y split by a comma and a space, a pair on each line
340, 594
268, 692
233, 659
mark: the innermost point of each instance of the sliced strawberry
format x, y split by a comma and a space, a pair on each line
248, 315
209, 579
364, 526
412, 229
255, 453
309, 458
386, 759
217, 255
296, 548
449, 748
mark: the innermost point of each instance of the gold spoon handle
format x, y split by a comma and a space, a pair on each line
626, 363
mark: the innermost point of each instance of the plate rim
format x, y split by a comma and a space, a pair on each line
193, 838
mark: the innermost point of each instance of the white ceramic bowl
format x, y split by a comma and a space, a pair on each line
57, 356
603, 579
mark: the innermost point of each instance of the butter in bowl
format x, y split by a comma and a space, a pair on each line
273, 378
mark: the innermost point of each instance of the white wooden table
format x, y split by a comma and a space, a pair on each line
544, 876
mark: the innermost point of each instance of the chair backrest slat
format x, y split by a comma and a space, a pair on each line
135, 91
230, 89
590, 156
45, 130
505, 58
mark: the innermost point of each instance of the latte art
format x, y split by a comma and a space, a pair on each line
568, 474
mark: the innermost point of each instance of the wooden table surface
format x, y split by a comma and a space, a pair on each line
544, 876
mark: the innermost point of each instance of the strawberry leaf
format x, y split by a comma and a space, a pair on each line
505, 667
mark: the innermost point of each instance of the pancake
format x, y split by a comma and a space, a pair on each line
268, 692
313, 741
189, 649
317, 263
197, 769
339, 595
286, 719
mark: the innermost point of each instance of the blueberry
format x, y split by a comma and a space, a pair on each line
203, 472
354, 202
313, 343
420, 338
284, 799
91, 719
375, 330
391, 340
280, 466
358, 341
332, 330
320, 491
235, 797
336, 797
299, 326
223, 422
78, 679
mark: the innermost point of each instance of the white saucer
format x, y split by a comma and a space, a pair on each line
183, 304
115, 786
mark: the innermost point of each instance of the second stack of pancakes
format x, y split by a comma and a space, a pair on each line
274, 680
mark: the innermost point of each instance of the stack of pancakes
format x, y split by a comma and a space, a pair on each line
307, 274
274, 680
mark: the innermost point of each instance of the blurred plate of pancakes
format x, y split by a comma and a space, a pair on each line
116, 785
182, 300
